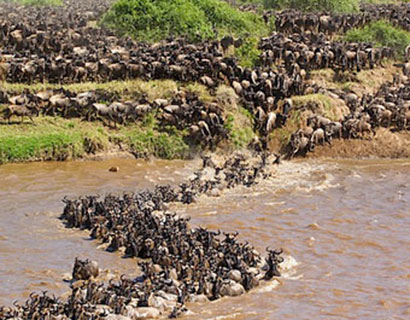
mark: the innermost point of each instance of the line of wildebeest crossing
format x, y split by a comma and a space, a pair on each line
181, 263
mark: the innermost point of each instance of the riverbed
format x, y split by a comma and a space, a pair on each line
345, 222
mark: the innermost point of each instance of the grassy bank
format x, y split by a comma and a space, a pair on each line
304, 107
194, 19
125, 89
381, 34
54, 138
316, 5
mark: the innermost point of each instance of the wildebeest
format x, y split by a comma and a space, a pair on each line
20, 111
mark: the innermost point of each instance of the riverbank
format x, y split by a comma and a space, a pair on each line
385, 144
58, 139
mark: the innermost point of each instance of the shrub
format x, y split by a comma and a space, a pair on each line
381, 34
248, 53
195, 19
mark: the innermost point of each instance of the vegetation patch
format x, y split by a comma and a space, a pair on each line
49, 139
147, 140
365, 81
194, 19
55, 138
314, 5
248, 53
381, 34
303, 108
129, 89
321, 104
238, 120
239, 126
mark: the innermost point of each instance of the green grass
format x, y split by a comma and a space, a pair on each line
381, 34
194, 19
129, 88
239, 126
147, 140
248, 53
49, 139
318, 5
54, 138
318, 104
314, 5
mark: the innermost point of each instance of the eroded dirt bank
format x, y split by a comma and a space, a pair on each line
385, 144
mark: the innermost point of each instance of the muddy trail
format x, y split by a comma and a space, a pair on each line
343, 221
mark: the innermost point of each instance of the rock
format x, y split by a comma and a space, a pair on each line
235, 275
114, 169
231, 289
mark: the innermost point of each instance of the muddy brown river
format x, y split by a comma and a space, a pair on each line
347, 223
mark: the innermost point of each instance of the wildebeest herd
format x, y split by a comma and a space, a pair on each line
389, 108
178, 263
204, 121
181, 264
292, 21
34, 47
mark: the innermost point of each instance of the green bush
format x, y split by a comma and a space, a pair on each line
314, 5
381, 34
195, 19
248, 53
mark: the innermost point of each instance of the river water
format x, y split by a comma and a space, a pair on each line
347, 223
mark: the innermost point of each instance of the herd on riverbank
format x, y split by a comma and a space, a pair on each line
180, 263
40, 50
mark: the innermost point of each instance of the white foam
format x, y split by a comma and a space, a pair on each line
288, 267
268, 286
